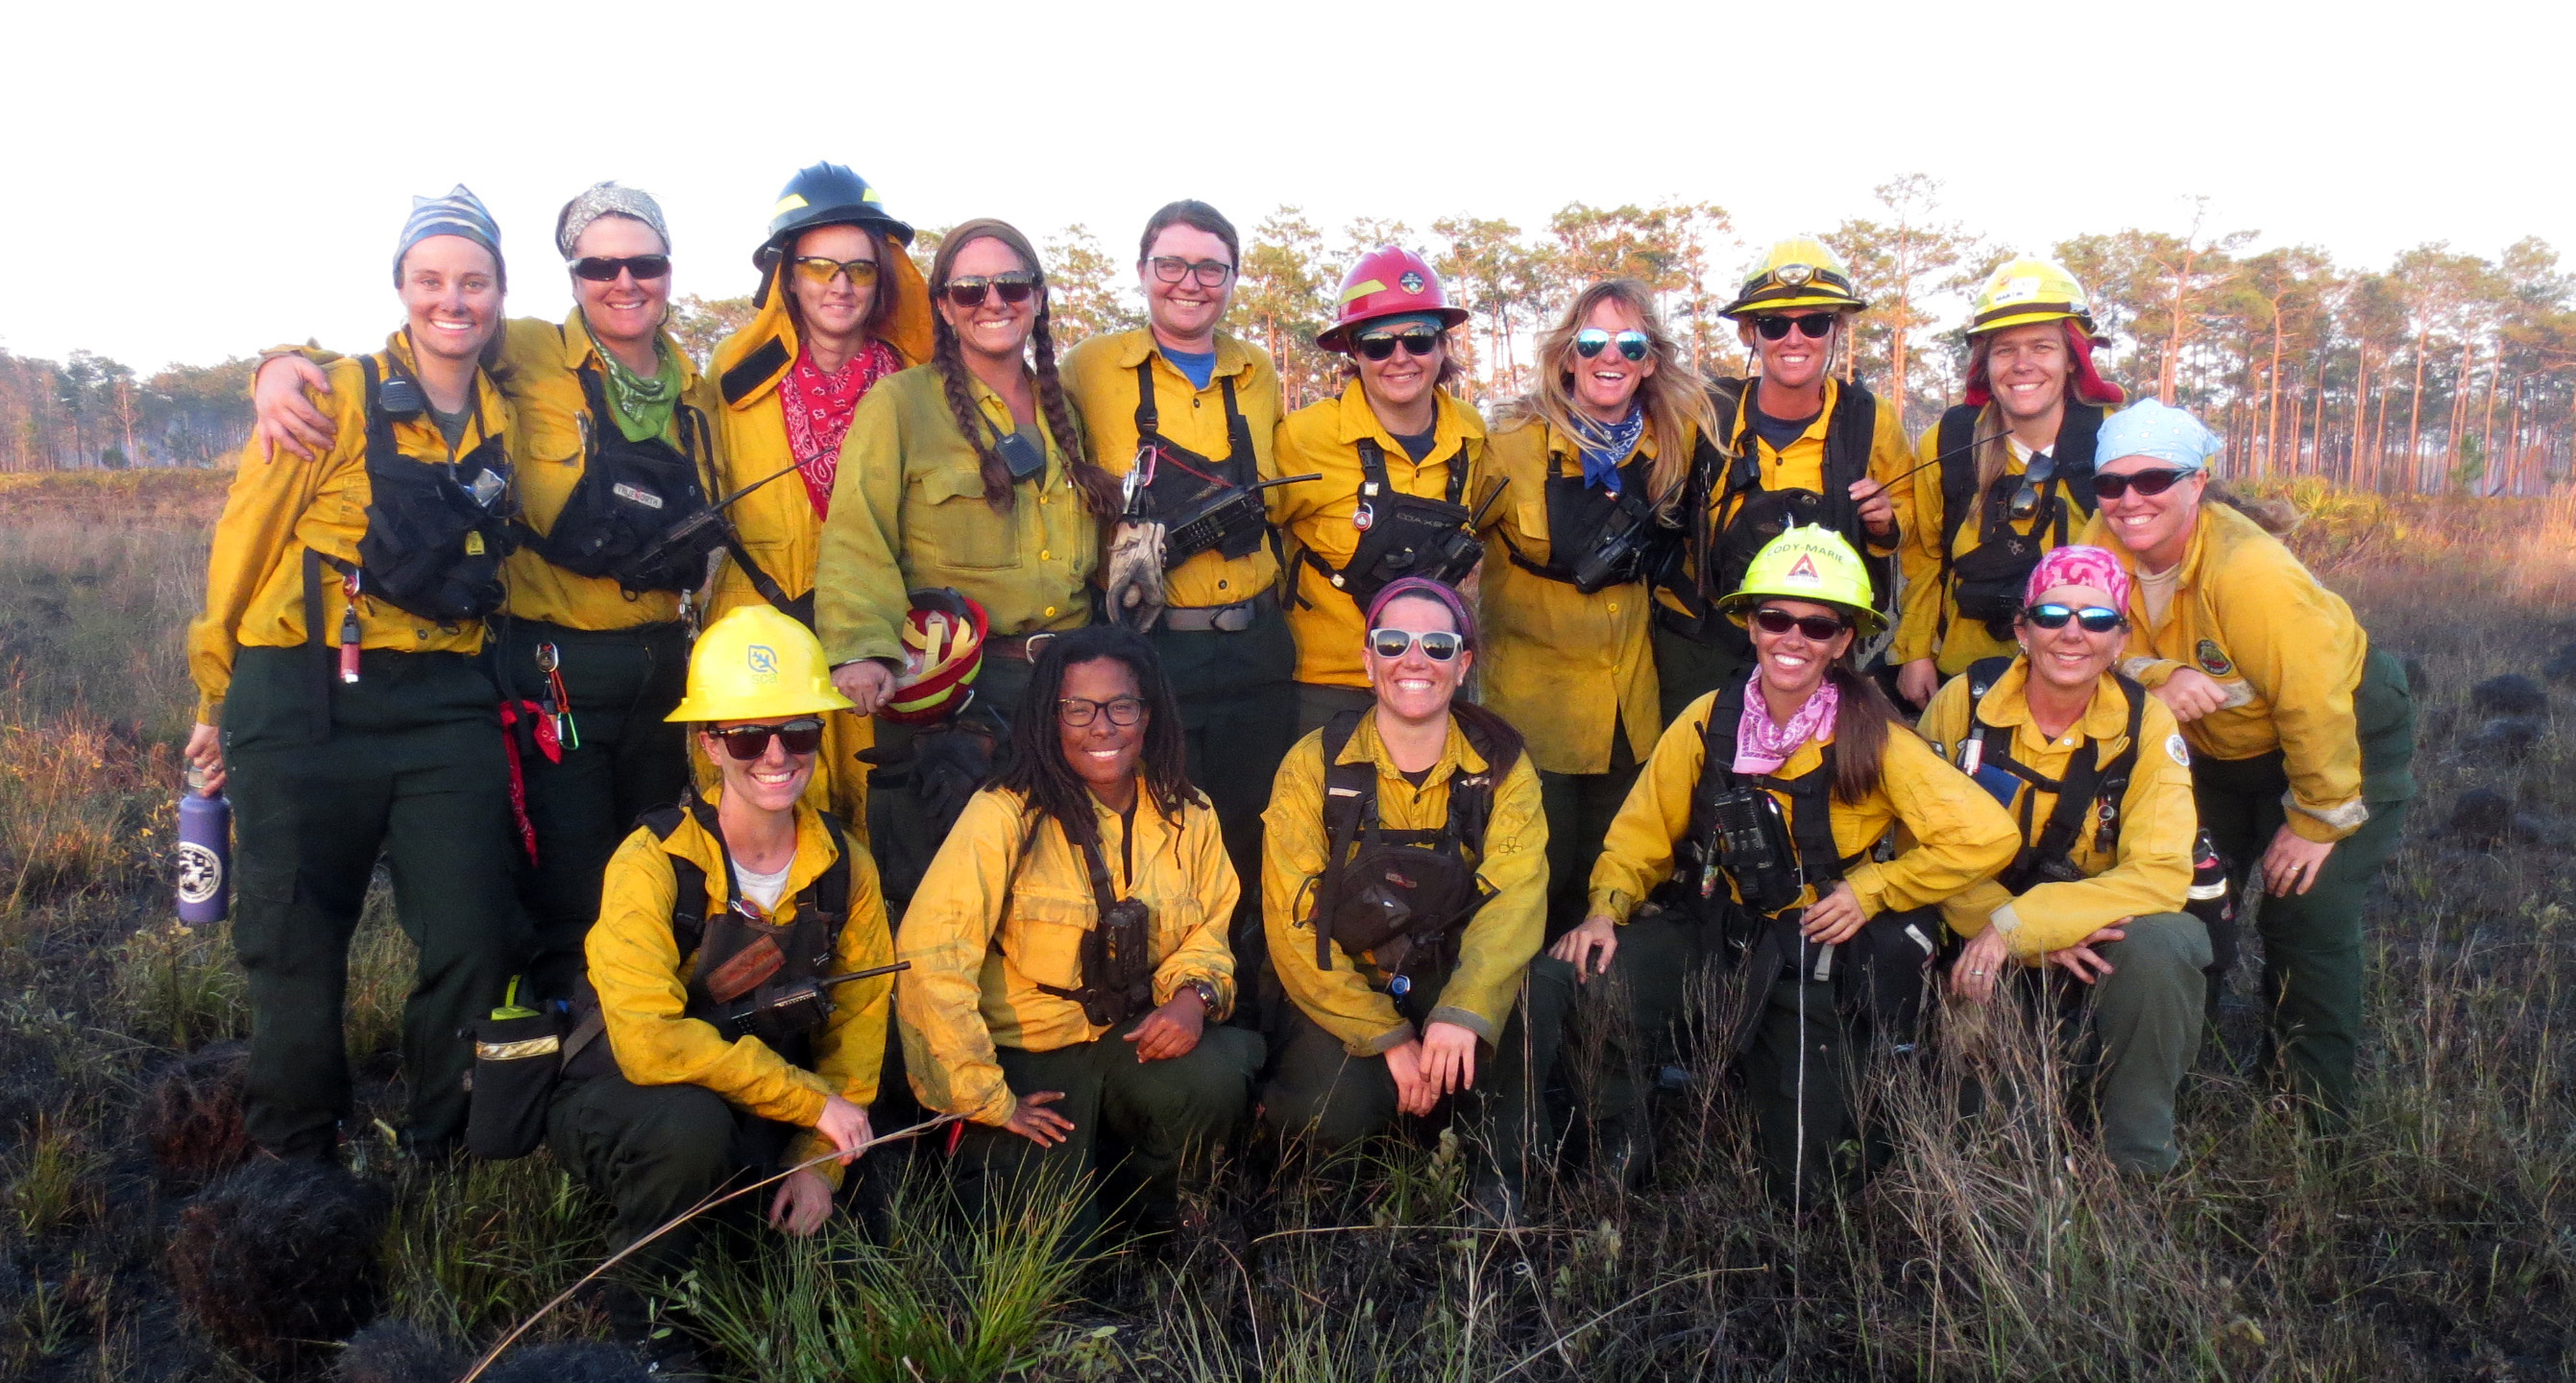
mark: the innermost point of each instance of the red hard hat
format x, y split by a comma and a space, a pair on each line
943, 649
1389, 281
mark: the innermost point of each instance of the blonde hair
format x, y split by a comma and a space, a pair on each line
1676, 399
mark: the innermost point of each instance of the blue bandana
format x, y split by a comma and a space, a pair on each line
458, 213
1605, 446
2149, 428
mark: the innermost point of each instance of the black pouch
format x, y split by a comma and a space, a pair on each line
1990, 581
1025, 459
517, 1063
1117, 964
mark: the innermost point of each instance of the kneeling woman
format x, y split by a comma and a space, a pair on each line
711, 911
337, 652
1404, 889
1070, 970
2096, 772
1840, 772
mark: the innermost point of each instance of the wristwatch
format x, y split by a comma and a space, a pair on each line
1206, 992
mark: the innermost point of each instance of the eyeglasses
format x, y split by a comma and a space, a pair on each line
1438, 645
1211, 273
1015, 288
747, 743
1123, 711
1820, 628
2096, 619
2025, 500
1379, 345
819, 270
1591, 341
1815, 326
603, 269
2153, 482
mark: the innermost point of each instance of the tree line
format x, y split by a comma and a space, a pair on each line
2442, 370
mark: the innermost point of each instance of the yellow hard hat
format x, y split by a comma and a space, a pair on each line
2026, 290
755, 663
1800, 271
1807, 563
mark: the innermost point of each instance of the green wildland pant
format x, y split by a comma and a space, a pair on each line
628, 760
1687, 669
1579, 807
413, 769
2136, 1030
2312, 956
654, 1151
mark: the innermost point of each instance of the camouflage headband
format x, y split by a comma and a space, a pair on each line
606, 199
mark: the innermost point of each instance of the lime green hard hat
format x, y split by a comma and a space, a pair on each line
1807, 563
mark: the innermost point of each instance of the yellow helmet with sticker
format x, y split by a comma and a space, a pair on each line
755, 663
1811, 562
1801, 271
2026, 290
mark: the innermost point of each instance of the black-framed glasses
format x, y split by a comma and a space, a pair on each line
1122, 711
817, 269
605, 268
746, 743
2154, 482
1379, 345
1771, 619
1591, 341
1438, 645
2094, 619
1013, 287
1211, 273
1815, 326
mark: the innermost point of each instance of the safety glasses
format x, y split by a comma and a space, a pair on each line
1013, 287
746, 743
2095, 619
1438, 645
1591, 341
1819, 628
1379, 345
2153, 482
604, 269
1122, 711
1815, 326
816, 269
1211, 273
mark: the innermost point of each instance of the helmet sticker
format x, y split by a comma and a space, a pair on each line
1362, 289
764, 662
2181, 752
793, 201
1804, 571
2213, 660
1411, 282
2020, 290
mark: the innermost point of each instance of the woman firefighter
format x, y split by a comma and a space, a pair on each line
1596, 458
966, 475
2302, 735
1070, 972
2007, 475
2093, 770
1404, 891
616, 457
1752, 830
340, 702
1186, 412
1794, 446
735, 932
1401, 460
839, 308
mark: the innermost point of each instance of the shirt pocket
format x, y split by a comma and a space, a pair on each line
947, 524
1175, 918
1042, 935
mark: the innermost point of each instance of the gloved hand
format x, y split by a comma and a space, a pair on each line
1135, 583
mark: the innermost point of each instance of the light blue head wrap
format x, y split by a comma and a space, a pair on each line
460, 212
2148, 428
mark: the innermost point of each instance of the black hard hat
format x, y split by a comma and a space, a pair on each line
826, 194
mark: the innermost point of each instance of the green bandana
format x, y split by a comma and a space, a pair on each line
642, 406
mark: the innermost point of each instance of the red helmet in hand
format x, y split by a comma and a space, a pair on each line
1389, 281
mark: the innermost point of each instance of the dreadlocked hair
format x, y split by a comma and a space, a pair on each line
1098, 488
1034, 765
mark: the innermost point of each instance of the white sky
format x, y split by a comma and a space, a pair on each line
180, 186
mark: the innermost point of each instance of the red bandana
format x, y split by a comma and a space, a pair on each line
818, 408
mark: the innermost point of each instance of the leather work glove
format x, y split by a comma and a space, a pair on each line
1135, 584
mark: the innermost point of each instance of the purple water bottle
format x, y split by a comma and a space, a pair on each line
205, 853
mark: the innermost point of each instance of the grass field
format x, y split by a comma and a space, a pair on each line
2438, 1241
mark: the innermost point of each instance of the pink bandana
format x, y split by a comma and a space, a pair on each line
818, 408
1761, 747
2078, 565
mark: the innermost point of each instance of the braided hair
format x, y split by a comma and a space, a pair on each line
1034, 765
1098, 488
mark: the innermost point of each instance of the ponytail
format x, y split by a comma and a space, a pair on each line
1861, 726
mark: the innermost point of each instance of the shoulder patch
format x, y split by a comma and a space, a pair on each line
2181, 752
2213, 660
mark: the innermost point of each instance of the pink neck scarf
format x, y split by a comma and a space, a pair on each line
1761, 747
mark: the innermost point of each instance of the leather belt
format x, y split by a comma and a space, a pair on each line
1019, 648
1223, 619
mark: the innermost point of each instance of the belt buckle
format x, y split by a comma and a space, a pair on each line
1233, 619
1033, 644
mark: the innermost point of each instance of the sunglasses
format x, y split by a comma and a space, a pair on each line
819, 270
1820, 628
1420, 341
747, 743
1438, 645
1815, 326
603, 269
1591, 341
2096, 619
2154, 482
1122, 711
2025, 500
1211, 273
1014, 288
